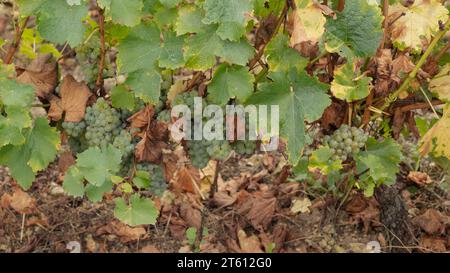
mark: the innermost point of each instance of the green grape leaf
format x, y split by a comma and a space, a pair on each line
97, 166
189, 20
321, 160
235, 52
201, 50
16, 158
13, 93
165, 17
440, 83
349, 85
358, 26
140, 211
230, 82
281, 57
146, 85
170, 3
28, 7
382, 159
230, 15
299, 98
43, 142
142, 180
73, 182
140, 49
172, 51
126, 13
122, 98
95, 194
11, 126
56, 26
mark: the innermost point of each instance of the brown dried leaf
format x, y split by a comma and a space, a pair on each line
122, 230
249, 244
74, 97
65, 161
431, 222
185, 178
150, 249
433, 244
5, 201
401, 66
22, 202
259, 211
141, 119
190, 215
419, 178
42, 73
154, 140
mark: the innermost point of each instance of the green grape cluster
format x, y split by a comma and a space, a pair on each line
74, 129
185, 98
158, 183
164, 116
202, 151
244, 147
346, 141
103, 123
123, 142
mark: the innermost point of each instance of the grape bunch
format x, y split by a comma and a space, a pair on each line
345, 141
157, 181
185, 98
202, 151
103, 123
123, 142
244, 147
74, 129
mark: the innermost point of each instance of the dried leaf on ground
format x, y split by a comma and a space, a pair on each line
74, 97
369, 215
42, 73
249, 244
65, 161
186, 179
154, 141
150, 249
420, 178
433, 244
431, 222
22, 202
258, 210
301, 206
190, 215
125, 232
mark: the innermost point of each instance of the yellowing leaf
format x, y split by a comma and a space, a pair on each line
308, 24
420, 21
440, 84
349, 85
436, 139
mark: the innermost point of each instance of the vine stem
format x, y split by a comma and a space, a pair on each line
258, 55
101, 62
416, 69
17, 38
341, 5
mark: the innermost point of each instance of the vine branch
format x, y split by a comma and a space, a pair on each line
17, 38
101, 61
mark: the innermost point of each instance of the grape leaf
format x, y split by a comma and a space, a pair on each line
200, 50
308, 24
142, 179
358, 26
439, 85
321, 160
138, 54
97, 166
43, 142
281, 57
140, 211
14, 94
95, 194
230, 15
140, 49
56, 26
436, 140
146, 85
34, 155
122, 98
419, 22
172, 51
382, 159
189, 20
126, 13
299, 98
170, 3
73, 182
230, 82
348, 85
